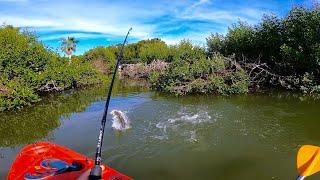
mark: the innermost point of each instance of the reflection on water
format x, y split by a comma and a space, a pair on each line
35, 123
194, 137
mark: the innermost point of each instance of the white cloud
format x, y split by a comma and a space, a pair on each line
114, 18
89, 17
28, 22
195, 38
200, 2
77, 35
140, 31
226, 17
196, 4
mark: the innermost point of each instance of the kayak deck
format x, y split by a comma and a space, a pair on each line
30, 161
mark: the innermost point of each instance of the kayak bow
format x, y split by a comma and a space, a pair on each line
45, 160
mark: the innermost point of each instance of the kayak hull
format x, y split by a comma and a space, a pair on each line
28, 161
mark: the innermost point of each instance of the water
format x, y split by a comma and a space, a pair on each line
195, 137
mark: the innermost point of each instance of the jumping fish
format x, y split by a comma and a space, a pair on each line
120, 121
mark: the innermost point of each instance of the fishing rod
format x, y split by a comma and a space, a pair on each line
96, 171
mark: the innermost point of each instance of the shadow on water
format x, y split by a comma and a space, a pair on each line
35, 123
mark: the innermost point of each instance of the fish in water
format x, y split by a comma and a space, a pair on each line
120, 120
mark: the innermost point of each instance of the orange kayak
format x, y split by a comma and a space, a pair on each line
45, 160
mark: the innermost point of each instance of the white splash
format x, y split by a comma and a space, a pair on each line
184, 123
193, 136
200, 117
120, 121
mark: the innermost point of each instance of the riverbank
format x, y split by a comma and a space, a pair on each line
217, 75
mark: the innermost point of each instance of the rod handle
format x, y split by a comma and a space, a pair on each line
95, 173
300, 177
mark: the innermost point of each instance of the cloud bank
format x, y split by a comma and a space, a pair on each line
105, 22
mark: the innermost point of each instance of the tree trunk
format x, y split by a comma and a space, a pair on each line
69, 56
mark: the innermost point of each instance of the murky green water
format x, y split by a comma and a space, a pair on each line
195, 137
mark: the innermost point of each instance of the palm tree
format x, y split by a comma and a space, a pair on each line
68, 46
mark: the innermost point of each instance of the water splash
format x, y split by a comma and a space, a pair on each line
120, 121
185, 123
184, 118
193, 136
197, 118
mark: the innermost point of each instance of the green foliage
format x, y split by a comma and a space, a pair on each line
268, 40
237, 82
69, 45
288, 45
18, 96
144, 51
232, 83
240, 40
215, 44
217, 84
301, 37
185, 51
130, 53
153, 78
27, 67
22, 57
155, 50
202, 67
107, 54
192, 72
60, 75
20, 51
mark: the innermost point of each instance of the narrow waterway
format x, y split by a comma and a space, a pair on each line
193, 137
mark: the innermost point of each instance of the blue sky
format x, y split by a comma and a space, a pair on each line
96, 22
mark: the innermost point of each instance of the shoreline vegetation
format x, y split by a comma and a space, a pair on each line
277, 53
28, 69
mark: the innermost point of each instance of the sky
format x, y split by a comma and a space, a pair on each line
105, 22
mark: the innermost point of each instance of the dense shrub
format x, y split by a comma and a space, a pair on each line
18, 95
216, 44
105, 54
155, 50
20, 51
27, 68
269, 40
130, 53
289, 45
301, 34
186, 51
144, 51
192, 72
240, 40
60, 75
